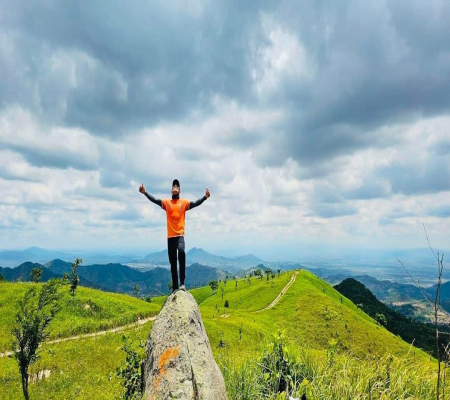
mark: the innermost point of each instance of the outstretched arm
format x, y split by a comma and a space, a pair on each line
196, 203
153, 199
149, 196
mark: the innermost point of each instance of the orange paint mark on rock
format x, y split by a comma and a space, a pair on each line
168, 355
165, 358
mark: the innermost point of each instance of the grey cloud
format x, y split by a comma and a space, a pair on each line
369, 72
132, 66
414, 178
194, 154
53, 158
370, 189
164, 62
15, 177
442, 148
324, 192
285, 200
408, 177
129, 214
386, 220
91, 190
442, 211
332, 210
241, 138
392, 218
113, 179
371, 68
14, 225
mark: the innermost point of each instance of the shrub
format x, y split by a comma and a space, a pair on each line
130, 371
278, 366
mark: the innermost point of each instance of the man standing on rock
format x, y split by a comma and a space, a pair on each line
175, 209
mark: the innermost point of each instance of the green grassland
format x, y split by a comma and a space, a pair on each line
310, 313
315, 319
89, 311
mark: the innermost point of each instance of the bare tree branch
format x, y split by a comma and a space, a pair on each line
416, 284
434, 254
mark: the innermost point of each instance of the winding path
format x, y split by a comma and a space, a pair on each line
136, 324
277, 299
145, 320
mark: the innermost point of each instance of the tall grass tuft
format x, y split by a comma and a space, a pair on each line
282, 371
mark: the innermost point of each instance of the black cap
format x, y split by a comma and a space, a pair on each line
175, 183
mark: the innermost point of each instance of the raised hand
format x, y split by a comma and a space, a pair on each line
142, 188
207, 194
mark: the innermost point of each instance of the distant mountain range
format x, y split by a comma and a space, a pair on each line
117, 277
196, 255
389, 292
13, 258
23, 272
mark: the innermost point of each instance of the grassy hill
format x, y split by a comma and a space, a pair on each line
423, 335
341, 351
311, 313
90, 310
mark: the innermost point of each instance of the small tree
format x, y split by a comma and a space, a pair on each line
74, 278
32, 319
170, 285
258, 273
222, 289
279, 272
381, 319
36, 274
214, 285
1, 278
130, 371
136, 289
226, 305
268, 272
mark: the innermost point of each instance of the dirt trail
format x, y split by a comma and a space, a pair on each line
277, 299
145, 320
85, 335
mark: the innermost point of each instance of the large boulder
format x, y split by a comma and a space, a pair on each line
179, 363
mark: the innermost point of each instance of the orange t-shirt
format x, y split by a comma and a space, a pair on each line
175, 210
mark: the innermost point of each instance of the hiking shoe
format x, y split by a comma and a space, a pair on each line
182, 287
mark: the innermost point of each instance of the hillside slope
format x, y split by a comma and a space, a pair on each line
89, 310
421, 334
312, 314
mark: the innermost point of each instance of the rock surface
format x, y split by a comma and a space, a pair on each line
179, 363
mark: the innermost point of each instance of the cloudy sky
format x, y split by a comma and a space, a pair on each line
312, 123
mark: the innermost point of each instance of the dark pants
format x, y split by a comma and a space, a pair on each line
175, 244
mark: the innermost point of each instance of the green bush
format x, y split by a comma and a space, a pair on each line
279, 367
130, 371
